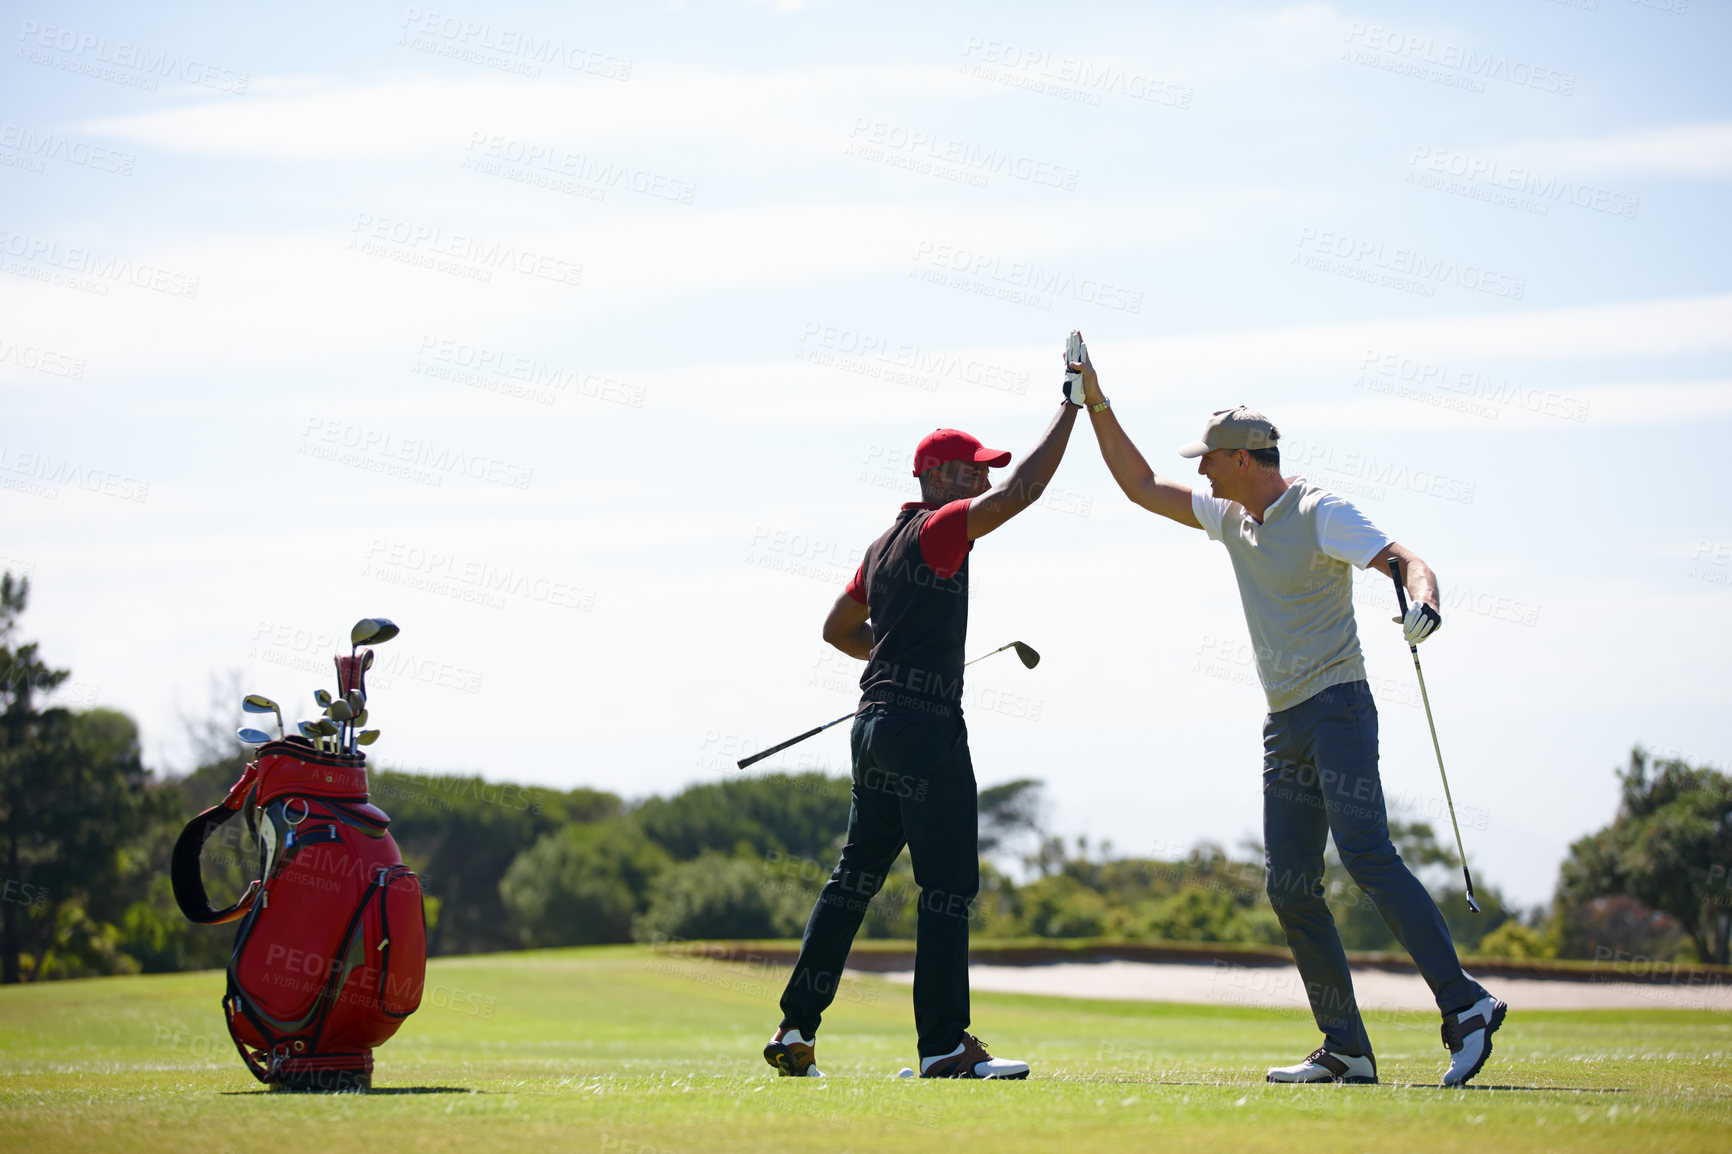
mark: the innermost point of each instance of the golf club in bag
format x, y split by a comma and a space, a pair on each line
331, 952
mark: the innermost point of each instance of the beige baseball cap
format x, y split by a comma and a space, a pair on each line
1237, 428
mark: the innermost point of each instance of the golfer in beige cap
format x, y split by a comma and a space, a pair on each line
1293, 546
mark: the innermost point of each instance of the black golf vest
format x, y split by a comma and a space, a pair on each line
919, 624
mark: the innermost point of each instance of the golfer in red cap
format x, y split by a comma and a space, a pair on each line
905, 614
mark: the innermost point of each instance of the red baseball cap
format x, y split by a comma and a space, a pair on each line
941, 445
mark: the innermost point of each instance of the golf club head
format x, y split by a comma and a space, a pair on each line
308, 730
361, 716
323, 697
339, 711
372, 631
259, 703
1029, 657
366, 661
367, 737
250, 736
325, 727
356, 699
1471, 904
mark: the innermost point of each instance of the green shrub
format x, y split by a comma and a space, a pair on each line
581, 885
1514, 940
1063, 907
1208, 914
717, 896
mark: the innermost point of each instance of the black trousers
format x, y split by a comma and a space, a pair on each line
913, 785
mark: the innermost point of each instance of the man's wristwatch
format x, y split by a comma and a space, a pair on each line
1102, 407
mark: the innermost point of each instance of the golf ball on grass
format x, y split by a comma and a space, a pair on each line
905, 1072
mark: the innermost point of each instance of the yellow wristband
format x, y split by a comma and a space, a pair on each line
1102, 407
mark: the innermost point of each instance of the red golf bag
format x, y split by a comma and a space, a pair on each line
331, 952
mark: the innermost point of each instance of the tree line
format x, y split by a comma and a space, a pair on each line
86, 831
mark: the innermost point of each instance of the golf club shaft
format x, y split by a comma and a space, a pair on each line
1432, 725
1401, 603
757, 757
354, 646
984, 656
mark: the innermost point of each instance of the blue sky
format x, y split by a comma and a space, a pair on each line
588, 344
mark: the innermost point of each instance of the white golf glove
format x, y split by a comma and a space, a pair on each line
1421, 622
1074, 353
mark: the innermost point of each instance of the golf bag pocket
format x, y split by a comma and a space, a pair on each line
330, 955
403, 929
386, 963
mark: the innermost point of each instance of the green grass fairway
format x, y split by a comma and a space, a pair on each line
622, 1050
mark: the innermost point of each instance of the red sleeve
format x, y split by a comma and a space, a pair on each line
857, 584
944, 540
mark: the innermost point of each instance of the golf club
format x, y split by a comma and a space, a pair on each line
325, 727
1401, 603
339, 712
259, 703
251, 736
310, 731
357, 701
367, 631
1026, 653
1029, 659
371, 631
367, 737
323, 697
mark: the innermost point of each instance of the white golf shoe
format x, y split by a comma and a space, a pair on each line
1323, 1066
1468, 1036
970, 1060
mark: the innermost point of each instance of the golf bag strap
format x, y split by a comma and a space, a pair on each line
255, 1067
238, 791
188, 879
235, 1003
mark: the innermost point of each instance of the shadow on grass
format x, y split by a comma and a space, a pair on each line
1299, 1088
1536, 1089
376, 1092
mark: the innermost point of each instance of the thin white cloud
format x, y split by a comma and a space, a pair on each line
266, 290
1513, 407
420, 115
1699, 150
1680, 326
314, 119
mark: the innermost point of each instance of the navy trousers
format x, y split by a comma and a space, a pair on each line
1320, 779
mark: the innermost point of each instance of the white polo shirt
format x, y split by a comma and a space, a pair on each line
1296, 585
